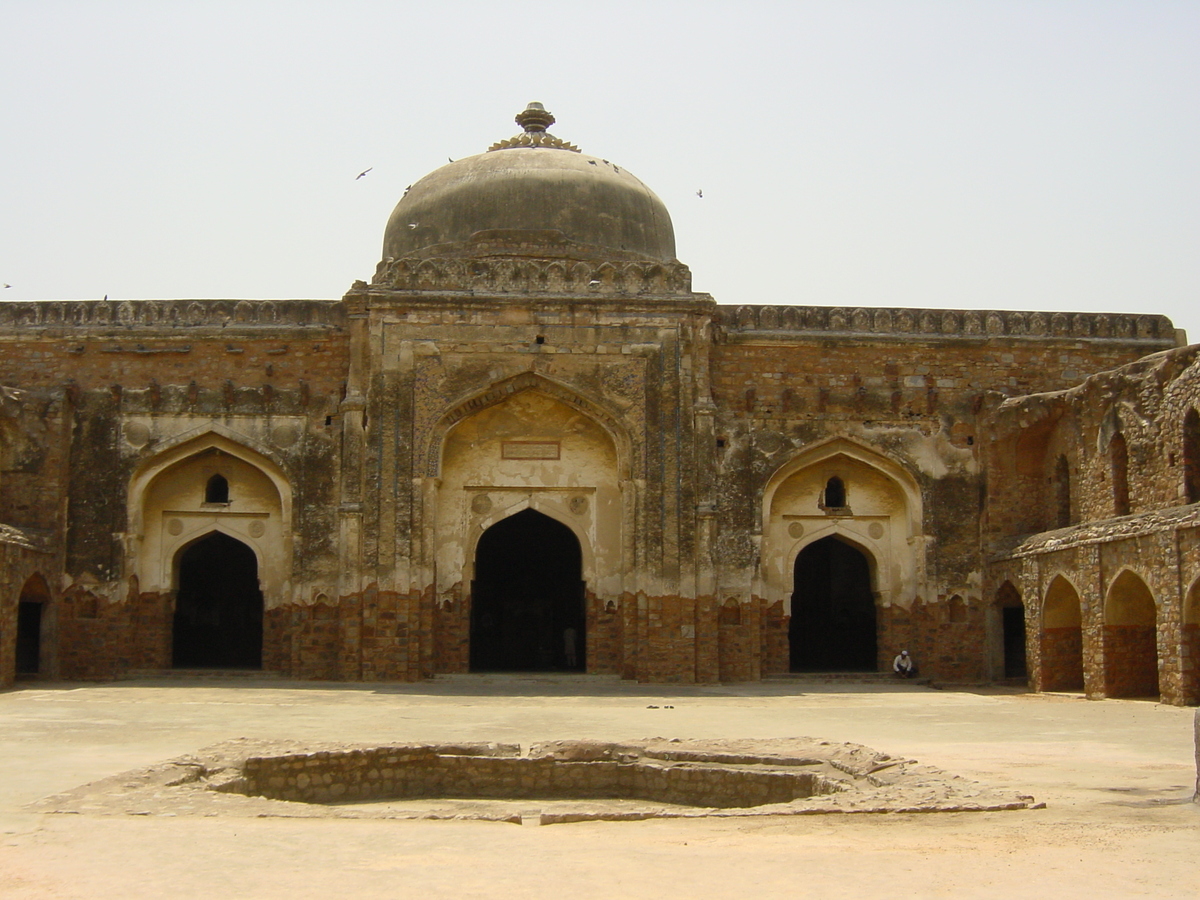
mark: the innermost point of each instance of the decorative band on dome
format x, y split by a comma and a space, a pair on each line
535, 119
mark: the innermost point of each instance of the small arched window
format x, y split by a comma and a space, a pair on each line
835, 492
217, 490
1119, 455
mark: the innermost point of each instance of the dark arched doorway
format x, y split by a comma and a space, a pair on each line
35, 597
218, 606
1012, 623
833, 610
527, 597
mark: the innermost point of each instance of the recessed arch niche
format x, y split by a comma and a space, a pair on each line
169, 508
1130, 638
1061, 637
883, 519
538, 450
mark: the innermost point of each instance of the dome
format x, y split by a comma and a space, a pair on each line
531, 188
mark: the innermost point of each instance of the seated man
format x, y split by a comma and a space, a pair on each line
903, 665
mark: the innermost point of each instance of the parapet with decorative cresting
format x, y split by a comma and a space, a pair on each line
132, 314
948, 322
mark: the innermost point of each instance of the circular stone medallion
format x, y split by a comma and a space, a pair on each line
875, 530
481, 504
137, 434
284, 435
796, 530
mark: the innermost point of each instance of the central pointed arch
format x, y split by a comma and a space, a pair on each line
503, 391
218, 618
528, 444
527, 597
833, 623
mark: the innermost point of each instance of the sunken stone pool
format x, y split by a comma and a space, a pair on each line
546, 782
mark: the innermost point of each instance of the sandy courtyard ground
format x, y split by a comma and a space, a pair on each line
1117, 777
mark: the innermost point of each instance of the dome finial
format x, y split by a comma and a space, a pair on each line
534, 118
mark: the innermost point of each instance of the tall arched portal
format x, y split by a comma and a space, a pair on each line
218, 606
833, 610
527, 599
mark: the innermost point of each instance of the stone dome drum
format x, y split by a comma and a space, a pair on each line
531, 188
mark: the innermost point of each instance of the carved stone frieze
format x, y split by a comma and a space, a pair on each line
953, 322
513, 274
131, 314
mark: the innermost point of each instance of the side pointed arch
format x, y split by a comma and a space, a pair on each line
1061, 637
832, 449
883, 517
1130, 637
169, 507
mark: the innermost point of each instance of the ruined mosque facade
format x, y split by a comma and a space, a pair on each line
528, 444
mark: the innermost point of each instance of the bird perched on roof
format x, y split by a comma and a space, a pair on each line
363, 172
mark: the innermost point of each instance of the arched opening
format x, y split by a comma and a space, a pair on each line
1062, 638
833, 610
218, 606
1130, 639
1062, 492
217, 489
835, 493
1012, 625
1119, 457
527, 598
1191, 456
31, 607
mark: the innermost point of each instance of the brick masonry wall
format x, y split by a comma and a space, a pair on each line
1061, 660
1130, 661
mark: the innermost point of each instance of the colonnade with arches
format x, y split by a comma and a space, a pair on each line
1116, 632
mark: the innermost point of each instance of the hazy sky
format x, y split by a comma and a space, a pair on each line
963, 154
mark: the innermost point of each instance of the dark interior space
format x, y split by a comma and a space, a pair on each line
29, 637
1014, 642
527, 601
218, 607
833, 610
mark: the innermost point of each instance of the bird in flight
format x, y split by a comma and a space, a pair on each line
412, 224
363, 172
8, 285
700, 194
